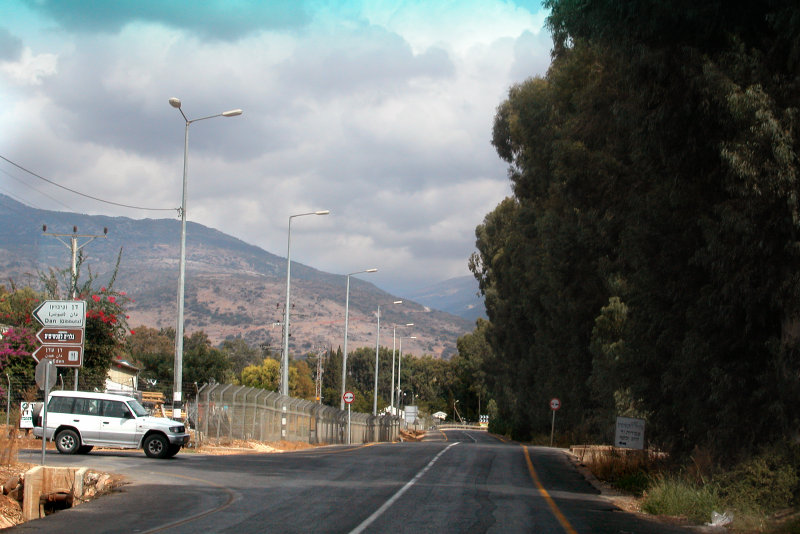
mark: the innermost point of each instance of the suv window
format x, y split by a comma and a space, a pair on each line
60, 404
137, 408
112, 408
87, 406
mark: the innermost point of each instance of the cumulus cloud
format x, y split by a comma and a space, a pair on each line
380, 111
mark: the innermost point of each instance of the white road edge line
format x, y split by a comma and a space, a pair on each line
377, 513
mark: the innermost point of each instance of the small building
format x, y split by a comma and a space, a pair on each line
123, 377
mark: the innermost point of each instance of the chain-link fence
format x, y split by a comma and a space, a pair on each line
226, 411
229, 412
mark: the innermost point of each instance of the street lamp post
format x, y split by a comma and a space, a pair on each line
391, 384
399, 361
177, 395
346, 315
377, 349
285, 358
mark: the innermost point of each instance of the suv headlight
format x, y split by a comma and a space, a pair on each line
177, 429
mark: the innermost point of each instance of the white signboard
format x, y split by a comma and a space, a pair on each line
26, 415
630, 433
61, 313
411, 414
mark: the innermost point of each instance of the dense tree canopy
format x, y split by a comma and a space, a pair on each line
647, 263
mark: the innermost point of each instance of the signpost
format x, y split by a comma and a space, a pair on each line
61, 313
629, 433
348, 398
63, 333
45, 379
61, 355
58, 336
555, 404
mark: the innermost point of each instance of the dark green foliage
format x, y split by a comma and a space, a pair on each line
766, 483
648, 263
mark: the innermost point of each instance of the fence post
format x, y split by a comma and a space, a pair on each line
8, 396
255, 412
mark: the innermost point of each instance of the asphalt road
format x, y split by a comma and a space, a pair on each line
454, 482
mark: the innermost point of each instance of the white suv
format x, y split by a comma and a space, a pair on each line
79, 420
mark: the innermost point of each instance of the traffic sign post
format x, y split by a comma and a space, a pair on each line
348, 398
63, 333
60, 336
61, 313
555, 404
45, 379
60, 355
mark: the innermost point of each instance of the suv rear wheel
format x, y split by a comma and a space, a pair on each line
156, 446
68, 441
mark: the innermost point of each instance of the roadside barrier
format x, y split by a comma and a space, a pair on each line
226, 411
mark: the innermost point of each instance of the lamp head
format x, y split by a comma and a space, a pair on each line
231, 113
322, 212
371, 271
175, 102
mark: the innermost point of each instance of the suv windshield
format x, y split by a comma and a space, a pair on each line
137, 408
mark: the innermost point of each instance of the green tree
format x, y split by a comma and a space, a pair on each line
240, 354
203, 362
18, 343
267, 375
648, 260
153, 352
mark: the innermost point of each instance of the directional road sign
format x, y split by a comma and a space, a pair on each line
60, 355
61, 313
60, 336
555, 404
348, 397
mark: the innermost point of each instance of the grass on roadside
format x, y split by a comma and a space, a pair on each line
761, 492
674, 496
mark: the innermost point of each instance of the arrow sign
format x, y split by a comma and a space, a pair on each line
61, 313
61, 355
60, 336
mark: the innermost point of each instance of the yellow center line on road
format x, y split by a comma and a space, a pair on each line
556, 512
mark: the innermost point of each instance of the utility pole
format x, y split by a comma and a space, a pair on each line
74, 248
320, 370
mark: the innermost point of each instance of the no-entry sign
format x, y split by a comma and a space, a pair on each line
348, 397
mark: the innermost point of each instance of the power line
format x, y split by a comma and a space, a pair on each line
84, 194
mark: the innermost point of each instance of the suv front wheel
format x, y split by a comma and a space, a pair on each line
68, 441
156, 446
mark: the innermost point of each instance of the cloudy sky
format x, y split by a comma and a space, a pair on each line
377, 110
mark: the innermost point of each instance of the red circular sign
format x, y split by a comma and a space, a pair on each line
348, 397
555, 404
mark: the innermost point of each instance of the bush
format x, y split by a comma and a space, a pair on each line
763, 484
676, 497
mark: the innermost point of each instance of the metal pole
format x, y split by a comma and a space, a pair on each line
349, 437
177, 392
553, 428
8, 395
391, 384
377, 348
285, 359
74, 282
399, 361
344, 356
177, 371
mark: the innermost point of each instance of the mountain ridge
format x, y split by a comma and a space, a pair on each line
233, 289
